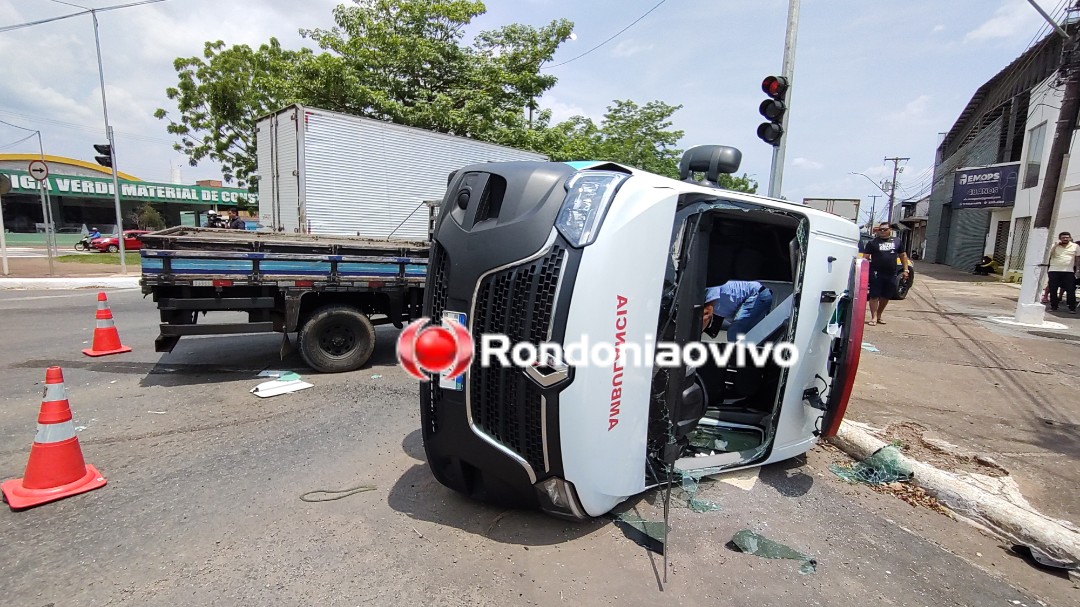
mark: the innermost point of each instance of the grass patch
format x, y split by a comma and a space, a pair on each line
100, 258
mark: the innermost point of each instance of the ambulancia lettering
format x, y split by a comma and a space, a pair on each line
617, 367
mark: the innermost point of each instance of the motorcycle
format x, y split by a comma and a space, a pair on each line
84, 243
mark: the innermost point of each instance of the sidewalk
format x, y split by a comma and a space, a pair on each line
1008, 393
33, 273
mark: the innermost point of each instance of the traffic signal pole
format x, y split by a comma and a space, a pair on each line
776, 174
112, 151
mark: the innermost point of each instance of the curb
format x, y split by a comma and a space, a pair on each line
1052, 542
72, 282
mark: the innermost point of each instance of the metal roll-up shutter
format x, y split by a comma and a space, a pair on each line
968, 238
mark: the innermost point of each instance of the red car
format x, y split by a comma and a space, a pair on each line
112, 245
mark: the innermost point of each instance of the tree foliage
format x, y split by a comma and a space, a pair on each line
146, 217
221, 94
632, 134
406, 61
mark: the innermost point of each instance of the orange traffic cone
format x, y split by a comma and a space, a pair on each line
106, 338
56, 468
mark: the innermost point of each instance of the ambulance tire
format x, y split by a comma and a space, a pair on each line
336, 338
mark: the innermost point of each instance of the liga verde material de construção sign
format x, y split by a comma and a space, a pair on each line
98, 187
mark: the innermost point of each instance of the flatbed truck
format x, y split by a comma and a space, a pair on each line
330, 290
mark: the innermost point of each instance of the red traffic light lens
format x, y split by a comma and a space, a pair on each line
774, 86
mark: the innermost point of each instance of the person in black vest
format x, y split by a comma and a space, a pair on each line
883, 252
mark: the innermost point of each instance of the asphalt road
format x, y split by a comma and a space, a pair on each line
202, 503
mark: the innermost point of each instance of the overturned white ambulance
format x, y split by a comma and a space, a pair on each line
548, 252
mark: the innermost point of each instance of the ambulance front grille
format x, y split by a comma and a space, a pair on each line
518, 302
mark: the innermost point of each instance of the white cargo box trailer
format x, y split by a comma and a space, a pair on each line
323, 172
844, 207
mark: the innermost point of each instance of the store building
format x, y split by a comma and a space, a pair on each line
913, 216
989, 168
80, 194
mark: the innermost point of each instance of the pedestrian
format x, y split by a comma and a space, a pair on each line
235, 223
1062, 271
214, 220
985, 267
743, 302
883, 252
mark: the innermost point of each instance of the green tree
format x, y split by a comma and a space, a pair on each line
636, 135
742, 183
398, 60
221, 94
147, 217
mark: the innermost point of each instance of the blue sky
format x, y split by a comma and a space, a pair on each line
872, 78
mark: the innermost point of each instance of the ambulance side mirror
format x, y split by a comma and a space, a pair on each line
712, 160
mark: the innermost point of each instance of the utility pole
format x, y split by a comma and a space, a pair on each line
892, 194
787, 70
873, 211
1028, 308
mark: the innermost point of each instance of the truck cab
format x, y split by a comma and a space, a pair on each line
550, 252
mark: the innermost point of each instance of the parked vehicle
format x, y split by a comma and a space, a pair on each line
322, 172
552, 252
364, 182
111, 244
331, 291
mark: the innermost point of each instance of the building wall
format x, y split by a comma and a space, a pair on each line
958, 237
1045, 108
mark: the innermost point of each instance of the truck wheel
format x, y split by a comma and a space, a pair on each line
336, 338
903, 287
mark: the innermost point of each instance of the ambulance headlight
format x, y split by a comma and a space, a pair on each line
558, 498
588, 195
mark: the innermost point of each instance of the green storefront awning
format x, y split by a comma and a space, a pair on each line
102, 187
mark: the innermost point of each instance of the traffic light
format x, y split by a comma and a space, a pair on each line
106, 154
773, 109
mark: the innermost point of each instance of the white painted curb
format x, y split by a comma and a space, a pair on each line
72, 282
1051, 541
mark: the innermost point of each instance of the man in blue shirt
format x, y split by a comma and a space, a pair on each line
742, 302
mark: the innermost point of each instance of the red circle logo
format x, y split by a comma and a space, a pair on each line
424, 349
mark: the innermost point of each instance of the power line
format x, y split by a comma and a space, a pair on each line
80, 127
1018, 70
21, 128
15, 143
8, 28
617, 34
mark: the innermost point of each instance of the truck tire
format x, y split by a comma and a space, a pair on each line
336, 338
903, 287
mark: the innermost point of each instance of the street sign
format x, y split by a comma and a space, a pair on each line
39, 170
5, 184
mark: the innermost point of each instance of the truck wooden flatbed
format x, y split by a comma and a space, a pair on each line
330, 290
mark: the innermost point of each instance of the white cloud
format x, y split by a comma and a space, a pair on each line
914, 111
1014, 18
939, 28
562, 111
627, 48
806, 163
